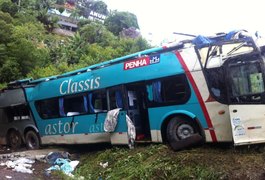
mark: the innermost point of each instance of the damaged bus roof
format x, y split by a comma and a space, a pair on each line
212, 51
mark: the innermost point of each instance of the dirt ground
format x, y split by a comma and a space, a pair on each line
38, 167
233, 163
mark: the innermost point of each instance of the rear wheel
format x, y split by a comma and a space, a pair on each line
14, 139
178, 130
32, 140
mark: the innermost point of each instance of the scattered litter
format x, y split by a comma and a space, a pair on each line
22, 165
23, 169
40, 158
53, 156
65, 165
8, 177
104, 165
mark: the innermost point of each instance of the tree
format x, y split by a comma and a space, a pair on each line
117, 21
74, 49
97, 33
130, 32
10, 71
27, 47
6, 27
9, 7
88, 6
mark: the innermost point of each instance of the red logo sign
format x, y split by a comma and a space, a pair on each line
140, 62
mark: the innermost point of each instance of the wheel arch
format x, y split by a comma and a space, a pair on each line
183, 114
7, 136
31, 128
10, 130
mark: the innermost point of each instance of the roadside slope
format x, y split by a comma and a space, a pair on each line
160, 162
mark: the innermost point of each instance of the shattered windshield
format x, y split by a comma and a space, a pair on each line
215, 56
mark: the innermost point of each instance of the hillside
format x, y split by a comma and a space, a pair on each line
160, 162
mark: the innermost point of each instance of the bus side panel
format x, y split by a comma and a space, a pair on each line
120, 135
72, 130
105, 77
158, 115
219, 113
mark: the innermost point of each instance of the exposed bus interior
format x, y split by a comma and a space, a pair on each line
138, 110
230, 63
15, 117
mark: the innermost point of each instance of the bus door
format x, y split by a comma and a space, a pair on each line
138, 111
245, 80
116, 101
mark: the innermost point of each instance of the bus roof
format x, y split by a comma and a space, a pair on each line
31, 82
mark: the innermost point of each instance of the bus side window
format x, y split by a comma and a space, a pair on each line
3, 115
115, 97
98, 102
16, 113
73, 105
48, 108
246, 83
173, 90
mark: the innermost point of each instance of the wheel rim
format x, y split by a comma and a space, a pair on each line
32, 142
184, 131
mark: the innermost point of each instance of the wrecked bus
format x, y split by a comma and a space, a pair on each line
207, 89
16, 122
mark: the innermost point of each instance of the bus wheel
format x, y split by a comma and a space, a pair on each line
14, 139
182, 133
32, 140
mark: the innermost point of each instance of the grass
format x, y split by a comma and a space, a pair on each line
157, 161
150, 162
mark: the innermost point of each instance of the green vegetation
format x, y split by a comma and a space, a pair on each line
150, 162
211, 161
29, 48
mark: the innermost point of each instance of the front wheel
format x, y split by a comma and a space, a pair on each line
182, 133
32, 140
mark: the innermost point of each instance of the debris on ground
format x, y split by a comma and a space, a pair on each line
61, 161
104, 165
22, 162
19, 162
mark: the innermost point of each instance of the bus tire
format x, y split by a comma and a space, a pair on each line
14, 139
32, 140
182, 133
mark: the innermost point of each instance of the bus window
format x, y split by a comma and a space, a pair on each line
48, 108
16, 113
217, 84
172, 90
3, 116
115, 98
246, 83
98, 102
73, 104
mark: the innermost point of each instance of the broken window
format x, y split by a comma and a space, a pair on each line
98, 102
246, 83
16, 113
172, 90
48, 108
75, 104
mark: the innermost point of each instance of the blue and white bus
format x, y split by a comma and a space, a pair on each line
205, 89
